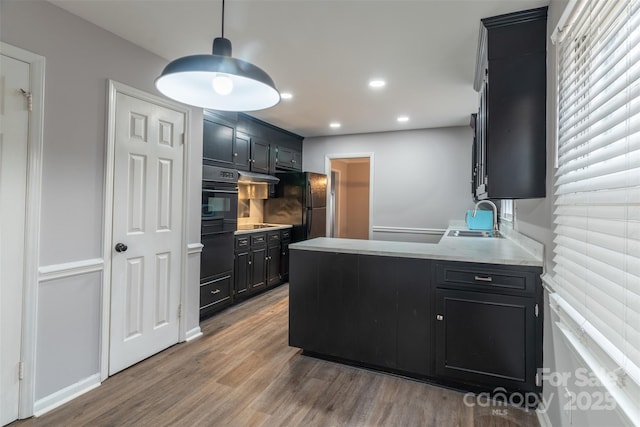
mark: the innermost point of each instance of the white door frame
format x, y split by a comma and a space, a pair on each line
32, 224
113, 88
327, 171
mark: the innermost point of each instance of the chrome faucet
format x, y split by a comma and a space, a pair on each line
495, 212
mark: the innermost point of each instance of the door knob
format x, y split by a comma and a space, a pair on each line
121, 247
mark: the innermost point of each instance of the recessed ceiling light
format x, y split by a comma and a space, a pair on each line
403, 119
334, 125
286, 95
377, 83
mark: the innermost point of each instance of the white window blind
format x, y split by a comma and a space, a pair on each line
597, 185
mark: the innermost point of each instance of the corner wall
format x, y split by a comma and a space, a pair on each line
80, 58
421, 177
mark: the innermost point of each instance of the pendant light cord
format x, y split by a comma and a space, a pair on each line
222, 18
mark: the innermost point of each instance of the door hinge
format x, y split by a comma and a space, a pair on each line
20, 370
29, 97
179, 311
536, 311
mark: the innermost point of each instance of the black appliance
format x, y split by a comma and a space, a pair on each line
300, 200
219, 222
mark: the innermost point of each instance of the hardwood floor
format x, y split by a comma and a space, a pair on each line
243, 373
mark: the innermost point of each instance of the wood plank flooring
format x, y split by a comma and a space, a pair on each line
243, 373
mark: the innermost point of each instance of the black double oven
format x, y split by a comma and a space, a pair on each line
219, 222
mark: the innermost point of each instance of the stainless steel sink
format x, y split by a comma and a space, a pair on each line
474, 233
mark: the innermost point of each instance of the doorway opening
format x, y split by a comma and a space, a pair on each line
350, 197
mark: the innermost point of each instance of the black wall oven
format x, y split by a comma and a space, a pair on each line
219, 222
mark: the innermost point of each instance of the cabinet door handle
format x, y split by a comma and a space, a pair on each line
282, 252
440, 317
484, 279
249, 262
217, 291
235, 154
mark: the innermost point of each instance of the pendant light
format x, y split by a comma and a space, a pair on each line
218, 81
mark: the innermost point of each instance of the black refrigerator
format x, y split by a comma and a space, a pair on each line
301, 200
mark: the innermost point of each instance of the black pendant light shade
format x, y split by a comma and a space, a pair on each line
218, 81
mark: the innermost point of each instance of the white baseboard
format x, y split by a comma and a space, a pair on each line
63, 396
193, 334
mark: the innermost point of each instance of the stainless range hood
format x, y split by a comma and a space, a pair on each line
253, 177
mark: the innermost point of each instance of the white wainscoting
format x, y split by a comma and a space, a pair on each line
69, 269
194, 248
407, 234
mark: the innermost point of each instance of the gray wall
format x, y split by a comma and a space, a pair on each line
421, 177
80, 57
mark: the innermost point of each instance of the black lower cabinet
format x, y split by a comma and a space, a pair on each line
464, 325
215, 294
304, 319
338, 304
273, 266
241, 276
394, 312
352, 307
258, 270
284, 261
258, 263
487, 339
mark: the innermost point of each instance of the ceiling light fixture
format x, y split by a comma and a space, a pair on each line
286, 95
334, 125
402, 119
218, 81
377, 83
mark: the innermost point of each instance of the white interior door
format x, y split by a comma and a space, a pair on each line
14, 127
147, 219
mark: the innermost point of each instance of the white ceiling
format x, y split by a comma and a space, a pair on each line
326, 51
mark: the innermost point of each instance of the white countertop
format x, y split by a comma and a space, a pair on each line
272, 227
466, 249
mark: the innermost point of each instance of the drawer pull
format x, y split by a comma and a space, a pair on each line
484, 279
217, 291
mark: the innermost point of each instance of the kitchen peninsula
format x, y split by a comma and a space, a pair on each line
465, 312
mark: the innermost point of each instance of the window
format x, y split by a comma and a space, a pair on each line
597, 187
507, 210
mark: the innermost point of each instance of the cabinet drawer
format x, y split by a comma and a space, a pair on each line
258, 240
215, 291
488, 276
242, 243
274, 238
286, 234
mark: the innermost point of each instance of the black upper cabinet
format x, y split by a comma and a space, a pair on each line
218, 141
510, 127
245, 143
288, 158
242, 151
260, 155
